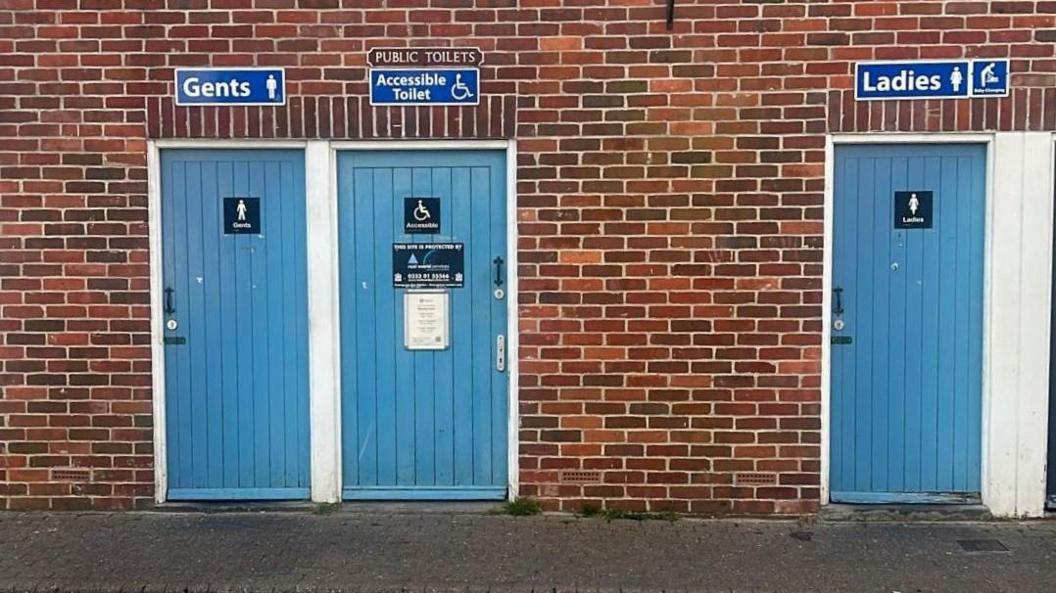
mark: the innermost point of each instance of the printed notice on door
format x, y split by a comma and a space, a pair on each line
425, 320
428, 265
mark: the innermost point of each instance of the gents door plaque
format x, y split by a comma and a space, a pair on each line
241, 216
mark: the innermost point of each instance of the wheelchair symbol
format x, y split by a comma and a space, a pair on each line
460, 91
421, 213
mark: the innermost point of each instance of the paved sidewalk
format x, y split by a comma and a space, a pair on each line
356, 551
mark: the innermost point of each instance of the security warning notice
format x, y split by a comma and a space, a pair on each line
428, 265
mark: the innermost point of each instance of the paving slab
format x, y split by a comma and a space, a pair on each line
458, 551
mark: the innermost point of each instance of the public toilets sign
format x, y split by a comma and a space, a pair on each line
954, 79
424, 76
230, 86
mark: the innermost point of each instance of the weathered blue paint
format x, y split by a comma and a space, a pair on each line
906, 392
236, 393
909, 497
421, 424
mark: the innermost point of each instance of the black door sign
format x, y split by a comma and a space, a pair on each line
421, 216
913, 209
427, 265
241, 216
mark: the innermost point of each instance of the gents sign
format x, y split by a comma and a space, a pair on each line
241, 216
425, 57
954, 79
221, 86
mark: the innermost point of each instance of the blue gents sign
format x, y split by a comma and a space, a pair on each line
230, 86
424, 86
953, 79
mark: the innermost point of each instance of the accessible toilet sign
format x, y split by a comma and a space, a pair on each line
398, 86
230, 86
424, 76
954, 79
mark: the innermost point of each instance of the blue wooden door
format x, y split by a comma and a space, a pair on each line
235, 309
422, 424
907, 322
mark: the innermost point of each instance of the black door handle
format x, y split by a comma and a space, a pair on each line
838, 308
498, 270
169, 307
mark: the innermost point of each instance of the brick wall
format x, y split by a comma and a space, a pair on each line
670, 213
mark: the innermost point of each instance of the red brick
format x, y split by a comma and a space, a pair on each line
669, 215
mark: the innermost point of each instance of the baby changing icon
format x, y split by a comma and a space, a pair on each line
990, 78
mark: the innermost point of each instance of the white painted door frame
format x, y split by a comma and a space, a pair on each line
1017, 274
324, 337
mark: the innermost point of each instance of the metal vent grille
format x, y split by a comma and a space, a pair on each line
754, 479
580, 477
70, 475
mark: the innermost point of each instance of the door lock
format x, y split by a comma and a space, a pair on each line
837, 308
500, 353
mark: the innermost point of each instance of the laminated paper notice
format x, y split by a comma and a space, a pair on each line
425, 319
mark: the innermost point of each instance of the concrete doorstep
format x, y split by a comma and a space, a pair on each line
403, 550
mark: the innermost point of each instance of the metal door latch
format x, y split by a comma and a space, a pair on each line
169, 307
500, 353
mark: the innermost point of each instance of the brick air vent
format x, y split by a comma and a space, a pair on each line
70, 475
580, 477
752, 479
